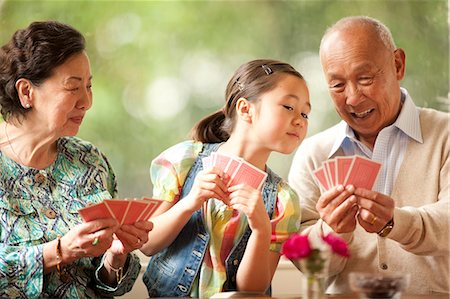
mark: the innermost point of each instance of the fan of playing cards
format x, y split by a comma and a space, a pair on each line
125, 211
350, 170
239, 170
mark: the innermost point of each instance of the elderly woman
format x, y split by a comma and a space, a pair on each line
47, 175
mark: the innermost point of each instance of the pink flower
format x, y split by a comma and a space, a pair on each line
337, 244
297, 246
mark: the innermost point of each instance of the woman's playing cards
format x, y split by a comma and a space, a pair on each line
125, 211
348, 170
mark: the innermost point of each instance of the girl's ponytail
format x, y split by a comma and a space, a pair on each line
210, 129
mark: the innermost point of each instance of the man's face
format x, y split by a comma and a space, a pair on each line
363, 79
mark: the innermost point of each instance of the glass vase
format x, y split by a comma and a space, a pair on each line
313, 286
315, 272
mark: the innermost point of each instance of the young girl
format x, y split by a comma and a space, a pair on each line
211, 238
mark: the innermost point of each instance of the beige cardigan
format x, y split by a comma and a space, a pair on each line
419, 242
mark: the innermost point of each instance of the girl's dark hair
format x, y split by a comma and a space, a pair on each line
33, 53
250, 81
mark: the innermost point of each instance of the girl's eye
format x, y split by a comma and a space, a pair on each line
304, 115
288, 107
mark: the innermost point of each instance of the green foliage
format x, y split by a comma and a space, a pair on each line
159, 66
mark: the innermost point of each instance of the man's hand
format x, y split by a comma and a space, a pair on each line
375, 209
338, 208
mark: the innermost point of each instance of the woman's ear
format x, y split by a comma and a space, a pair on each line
24, 90
244, 109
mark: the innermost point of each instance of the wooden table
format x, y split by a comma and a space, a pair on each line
353, 296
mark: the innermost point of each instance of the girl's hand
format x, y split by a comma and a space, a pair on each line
209, 183
130, 237
88, 239
249, 201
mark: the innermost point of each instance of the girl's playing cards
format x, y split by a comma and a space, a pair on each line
239, 170
348, 170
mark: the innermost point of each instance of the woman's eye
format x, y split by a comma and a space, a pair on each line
288, 107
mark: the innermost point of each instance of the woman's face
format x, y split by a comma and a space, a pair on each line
61, 101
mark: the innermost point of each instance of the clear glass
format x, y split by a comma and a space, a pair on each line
378, 285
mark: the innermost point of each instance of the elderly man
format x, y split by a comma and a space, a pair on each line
402, 225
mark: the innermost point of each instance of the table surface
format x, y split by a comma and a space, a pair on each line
353, 296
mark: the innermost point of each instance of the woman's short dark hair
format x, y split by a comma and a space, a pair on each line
33, 53
250, 81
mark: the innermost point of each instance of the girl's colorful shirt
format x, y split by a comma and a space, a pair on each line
225, 226
38, 205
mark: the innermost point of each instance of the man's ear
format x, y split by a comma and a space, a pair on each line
24, 90
400, 63
244, 109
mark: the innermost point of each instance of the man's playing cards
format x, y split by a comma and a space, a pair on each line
348, 170
239, 170
125, 211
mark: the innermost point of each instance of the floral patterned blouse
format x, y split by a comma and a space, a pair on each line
38, 205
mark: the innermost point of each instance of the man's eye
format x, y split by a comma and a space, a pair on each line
304, 115
288, 107
365, 80
336, 86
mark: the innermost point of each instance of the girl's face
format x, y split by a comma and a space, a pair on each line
281, 119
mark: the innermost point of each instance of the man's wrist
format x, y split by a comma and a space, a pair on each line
384, 232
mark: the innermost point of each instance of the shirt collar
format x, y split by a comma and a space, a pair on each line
407, 121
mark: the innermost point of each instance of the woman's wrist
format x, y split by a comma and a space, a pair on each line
115, 260
115, 265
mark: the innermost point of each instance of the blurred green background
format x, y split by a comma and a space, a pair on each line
159, 66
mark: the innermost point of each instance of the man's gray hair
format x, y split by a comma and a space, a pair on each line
381, 30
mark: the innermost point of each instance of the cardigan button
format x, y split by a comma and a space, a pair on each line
384, 266
182, 288
236, 262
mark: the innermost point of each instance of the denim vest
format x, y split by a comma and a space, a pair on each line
172, 271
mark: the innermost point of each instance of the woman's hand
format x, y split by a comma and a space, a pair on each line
249, 201
209, 183
130, 237
88, 239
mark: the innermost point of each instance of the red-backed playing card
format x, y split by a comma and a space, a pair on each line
117, 208
220, 161
363, 173
153, 204
343, 164
330, 171
319, 173
96, 211
135, 209
248, 174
